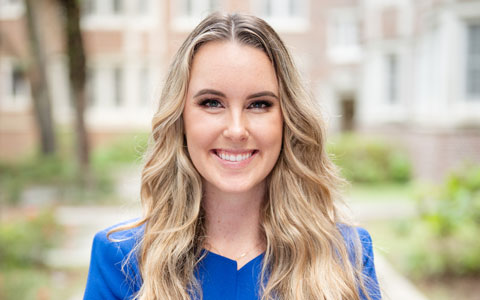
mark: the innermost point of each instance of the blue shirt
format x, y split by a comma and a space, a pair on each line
109, 278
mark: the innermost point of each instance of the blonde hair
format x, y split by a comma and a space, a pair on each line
306, 255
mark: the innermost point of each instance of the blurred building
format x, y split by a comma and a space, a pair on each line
421, 79
399, 68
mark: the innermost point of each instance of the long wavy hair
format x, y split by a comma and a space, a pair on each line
306, 255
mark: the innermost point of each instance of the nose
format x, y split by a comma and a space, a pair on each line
236, 127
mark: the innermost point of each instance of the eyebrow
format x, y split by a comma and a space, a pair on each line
220, 94
262, 94
209, 92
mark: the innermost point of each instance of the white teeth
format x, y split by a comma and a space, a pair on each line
233, 157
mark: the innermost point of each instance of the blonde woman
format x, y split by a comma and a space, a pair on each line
239, 196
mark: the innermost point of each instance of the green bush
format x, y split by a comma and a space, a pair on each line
368, 160
47, 170
24, 283
445, 239
126, 150
24, 242
62, 173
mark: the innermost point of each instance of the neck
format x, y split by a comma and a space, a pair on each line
233, 222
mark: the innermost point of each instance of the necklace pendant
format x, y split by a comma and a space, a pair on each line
242, 256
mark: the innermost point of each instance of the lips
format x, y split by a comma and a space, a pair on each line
234, 156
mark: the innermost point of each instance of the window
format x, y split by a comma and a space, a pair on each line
14, 84
18, 88
473, 62
189, 12
103, 8
282, 8
105, 86
145, 86
117, 86
117, 7
88, 7
284, 15
90, 86
344, 31
118, 14
11, 9
198, 8
392, 78
343, 36
142, 7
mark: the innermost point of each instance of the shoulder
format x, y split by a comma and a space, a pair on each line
358, 240
352, 235
359, 243
117, 250
113, 271
120, 241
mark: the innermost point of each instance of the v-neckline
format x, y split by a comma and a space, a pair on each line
232, 261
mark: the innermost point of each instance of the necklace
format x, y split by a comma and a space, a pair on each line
237, 258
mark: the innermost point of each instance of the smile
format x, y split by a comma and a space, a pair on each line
234, 156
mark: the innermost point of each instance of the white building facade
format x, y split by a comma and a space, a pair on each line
421, 79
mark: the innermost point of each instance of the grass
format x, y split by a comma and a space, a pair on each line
389, 192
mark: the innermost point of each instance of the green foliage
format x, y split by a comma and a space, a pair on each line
24, 242
25, 239
24, 283
61, 171
41, 283
123, 151
47, 170
367, 160
445, 239
382, 193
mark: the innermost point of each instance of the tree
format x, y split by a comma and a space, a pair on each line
38, 80
77, 76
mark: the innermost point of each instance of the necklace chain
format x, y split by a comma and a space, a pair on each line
237, 257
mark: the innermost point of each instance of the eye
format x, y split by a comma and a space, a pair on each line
211, 103
261, 104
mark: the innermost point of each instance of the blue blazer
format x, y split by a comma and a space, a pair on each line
110, 278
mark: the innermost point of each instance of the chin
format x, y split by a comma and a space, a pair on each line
234, 187
236, 190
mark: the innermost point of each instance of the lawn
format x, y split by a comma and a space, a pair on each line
388, 192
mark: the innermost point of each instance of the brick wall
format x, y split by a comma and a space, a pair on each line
434, 153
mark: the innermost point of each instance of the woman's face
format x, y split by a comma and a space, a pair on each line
232, 116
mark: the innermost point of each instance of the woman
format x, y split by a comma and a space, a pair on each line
239, 195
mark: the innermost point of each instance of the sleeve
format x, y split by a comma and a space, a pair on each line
369, 273
106, 280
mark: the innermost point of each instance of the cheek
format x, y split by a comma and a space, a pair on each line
199, 133
271, 134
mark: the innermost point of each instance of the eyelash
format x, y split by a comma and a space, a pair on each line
262, 103
208, 103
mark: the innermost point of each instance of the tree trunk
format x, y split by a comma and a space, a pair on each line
77, 75
38, 79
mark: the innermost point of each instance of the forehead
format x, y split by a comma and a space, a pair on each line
228, 64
